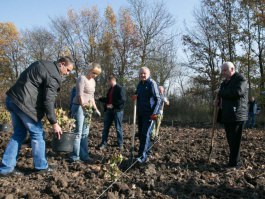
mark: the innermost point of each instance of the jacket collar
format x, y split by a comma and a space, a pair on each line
146, 81
57, 67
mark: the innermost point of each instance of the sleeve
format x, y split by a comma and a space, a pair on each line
122, 97
235, 92
51, 88
255, 108
156, 96
103, 100
80, 85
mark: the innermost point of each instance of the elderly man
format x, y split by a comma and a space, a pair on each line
233, 96
113, 111
28, 100
148, 103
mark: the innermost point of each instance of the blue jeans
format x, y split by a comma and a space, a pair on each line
21, 124
111, 115
80, 148
251, 120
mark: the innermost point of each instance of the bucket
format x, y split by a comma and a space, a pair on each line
65, 144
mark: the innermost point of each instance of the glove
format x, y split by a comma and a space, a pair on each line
134, 97
153, 117
98, 113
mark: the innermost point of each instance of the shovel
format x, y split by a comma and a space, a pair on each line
215, 114
133, 132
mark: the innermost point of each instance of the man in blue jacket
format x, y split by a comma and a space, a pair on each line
148, 103
28, 100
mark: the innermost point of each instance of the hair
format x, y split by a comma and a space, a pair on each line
66, 59
94, 67
229, 64
144, 68
112, 77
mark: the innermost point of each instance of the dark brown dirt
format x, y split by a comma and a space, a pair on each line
178, 168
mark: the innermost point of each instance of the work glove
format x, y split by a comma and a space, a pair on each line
154, 117
98, 113
134, 97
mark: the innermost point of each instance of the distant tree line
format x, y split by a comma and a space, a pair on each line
143, 34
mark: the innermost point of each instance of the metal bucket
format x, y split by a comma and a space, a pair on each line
65, 144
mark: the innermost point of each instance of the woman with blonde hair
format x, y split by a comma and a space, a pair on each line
85, 88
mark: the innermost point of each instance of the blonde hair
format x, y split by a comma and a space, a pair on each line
94, 68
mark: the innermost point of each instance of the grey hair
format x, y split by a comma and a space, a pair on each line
229, 65
144, 68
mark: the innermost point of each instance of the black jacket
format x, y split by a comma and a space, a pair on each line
35, 90
118, 98
234, 99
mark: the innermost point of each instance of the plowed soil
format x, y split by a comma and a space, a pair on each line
177, 168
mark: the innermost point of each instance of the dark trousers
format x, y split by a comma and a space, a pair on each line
111, 115
144, 123
233, 135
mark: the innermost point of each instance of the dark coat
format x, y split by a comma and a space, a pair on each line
35, 90
234, 99
118, 98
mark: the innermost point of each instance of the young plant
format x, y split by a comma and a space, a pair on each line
5, 117
88, 111
114, 164
66, 123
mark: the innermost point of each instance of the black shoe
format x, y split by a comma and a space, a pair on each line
102, 147
13, 173
236, 166
48, 170
70, 160
121, 147
88, 161
51, 168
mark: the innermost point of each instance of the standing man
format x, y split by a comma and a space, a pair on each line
113, 111
28, 100
252, 111
148, 103
233, 95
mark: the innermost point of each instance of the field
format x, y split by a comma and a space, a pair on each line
177, 168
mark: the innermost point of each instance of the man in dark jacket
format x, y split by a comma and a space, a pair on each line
148, 103
252, 111
233, 95
28, 100
113, 111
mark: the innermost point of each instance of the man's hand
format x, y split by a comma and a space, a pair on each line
109, 106
98, 113
154, 117
134, 97
57, 129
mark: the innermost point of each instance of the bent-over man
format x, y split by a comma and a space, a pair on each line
28, 100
